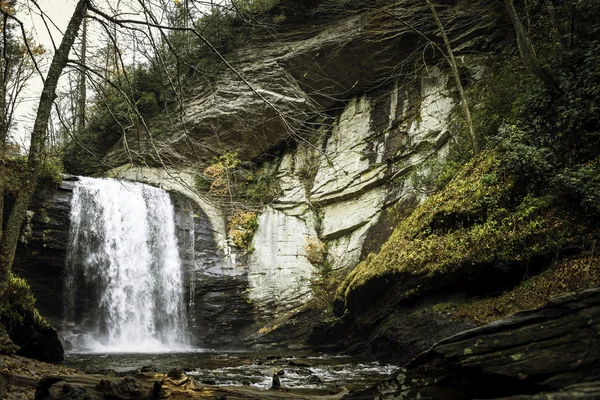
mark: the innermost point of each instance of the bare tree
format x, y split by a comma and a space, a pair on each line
526, 49
8, 243
455, 73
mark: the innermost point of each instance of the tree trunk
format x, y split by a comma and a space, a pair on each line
554, 22
3, 139
456, 74
8, 244
526, 47
82, 88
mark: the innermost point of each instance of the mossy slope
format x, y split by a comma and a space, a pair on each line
481, 221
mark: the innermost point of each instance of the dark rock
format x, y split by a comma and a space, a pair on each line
6, 345
148, 368
281, 372
314, 380
540, 354
222, 313
157, 391
246, 382
3, 386
211, 382
69, 178
37, 340
41, 258
42, 390
125, 373
104, 371
298, 364
221, 397
126, 389
276, 382
176, 373
74, 393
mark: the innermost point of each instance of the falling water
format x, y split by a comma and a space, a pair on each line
124, 279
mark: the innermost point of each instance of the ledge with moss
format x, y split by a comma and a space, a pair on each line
482, 234
30, 334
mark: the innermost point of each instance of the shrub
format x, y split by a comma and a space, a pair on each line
18, 301
242, 227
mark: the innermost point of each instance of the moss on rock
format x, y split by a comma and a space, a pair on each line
572, 274
479, 219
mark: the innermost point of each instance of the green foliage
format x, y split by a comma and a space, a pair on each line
242, 227
50, 175
256, 6
477, 219
568, 275
18, 301
140, 94
581, 186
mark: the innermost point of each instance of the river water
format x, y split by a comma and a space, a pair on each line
320, 373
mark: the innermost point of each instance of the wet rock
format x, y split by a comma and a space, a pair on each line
126, 389
298, 364
74, 393
126, 373
104, 371
276, 385
37, 340
212, 382
41, 259
148, 368
314, 380
6, 345
246, 382
3, 386
176, 373
281, 372
157, 391
540, 354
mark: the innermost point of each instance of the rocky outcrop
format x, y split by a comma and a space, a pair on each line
549, 353
42, 250
36, 339
339, 194
293, 73
356, 133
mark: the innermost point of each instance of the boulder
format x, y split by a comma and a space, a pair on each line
37, 340
549, 353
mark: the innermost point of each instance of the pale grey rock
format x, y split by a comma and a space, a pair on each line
278, 270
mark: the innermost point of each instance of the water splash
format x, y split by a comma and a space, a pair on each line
123, 283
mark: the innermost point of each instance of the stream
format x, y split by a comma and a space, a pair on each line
319, 374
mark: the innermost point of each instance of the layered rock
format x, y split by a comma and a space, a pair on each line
337, 193
549, 353
42, 250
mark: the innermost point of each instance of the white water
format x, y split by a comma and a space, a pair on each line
124, 279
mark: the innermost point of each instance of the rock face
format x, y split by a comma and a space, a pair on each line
42, 251
356, 134
337, 195
549, 353
37, 340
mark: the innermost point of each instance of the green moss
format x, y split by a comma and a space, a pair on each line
18, 304
479, 218
566, 276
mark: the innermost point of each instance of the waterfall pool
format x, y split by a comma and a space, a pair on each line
318, 374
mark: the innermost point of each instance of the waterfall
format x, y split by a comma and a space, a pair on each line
123, 285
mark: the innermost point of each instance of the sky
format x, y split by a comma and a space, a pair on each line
59, 12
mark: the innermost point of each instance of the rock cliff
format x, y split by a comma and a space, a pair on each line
549, 353
356, 118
